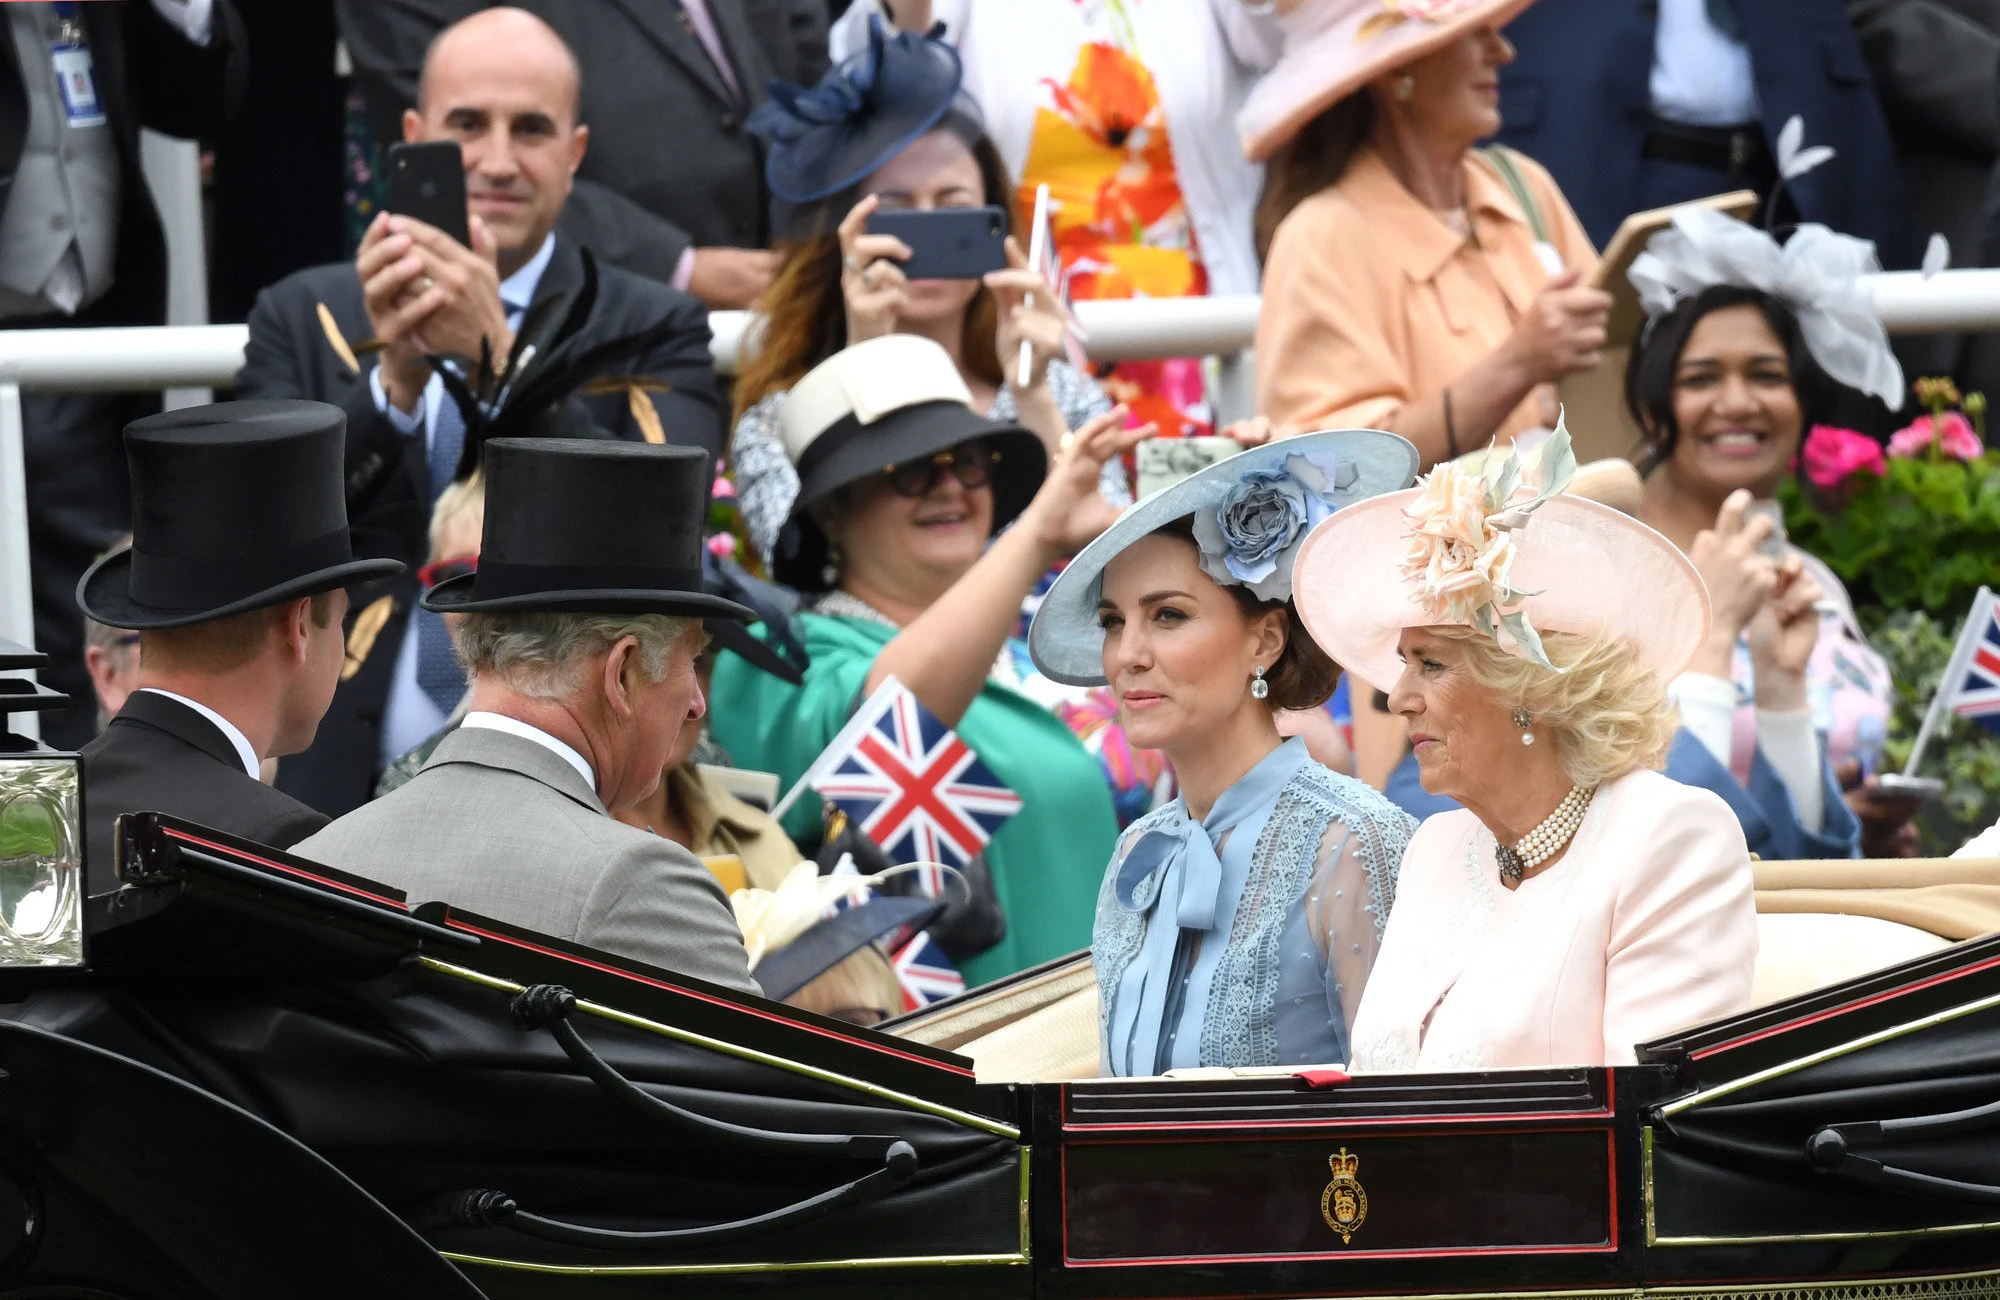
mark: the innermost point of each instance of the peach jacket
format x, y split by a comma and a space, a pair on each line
1372, 302
1647, 925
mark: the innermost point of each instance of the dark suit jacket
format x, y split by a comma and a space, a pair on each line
158, 755
388, 474
1576, 100
148, 74
669, 165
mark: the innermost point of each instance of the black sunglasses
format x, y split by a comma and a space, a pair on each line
971, 464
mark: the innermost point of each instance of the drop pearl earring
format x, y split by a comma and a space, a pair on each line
1524, 719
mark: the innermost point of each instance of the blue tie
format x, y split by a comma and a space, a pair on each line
438, 673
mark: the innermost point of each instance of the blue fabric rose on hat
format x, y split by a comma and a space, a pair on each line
1251, 537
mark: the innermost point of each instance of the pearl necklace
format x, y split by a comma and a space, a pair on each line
1546, 840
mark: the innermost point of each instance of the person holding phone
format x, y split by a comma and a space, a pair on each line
496, 122
909, 151
1743, 344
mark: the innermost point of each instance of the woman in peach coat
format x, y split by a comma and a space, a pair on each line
1581, 903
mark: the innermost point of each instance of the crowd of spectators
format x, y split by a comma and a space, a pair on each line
1419, 189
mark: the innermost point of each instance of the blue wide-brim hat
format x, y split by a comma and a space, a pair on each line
826, 138
1344, 466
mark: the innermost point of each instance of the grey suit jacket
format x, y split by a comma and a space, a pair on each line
499, 825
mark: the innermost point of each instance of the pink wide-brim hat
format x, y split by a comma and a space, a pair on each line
1334, 47
1597, 571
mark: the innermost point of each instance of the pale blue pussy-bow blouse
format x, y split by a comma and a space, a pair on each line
1245, 938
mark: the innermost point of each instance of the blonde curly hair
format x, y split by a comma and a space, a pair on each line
1607, 714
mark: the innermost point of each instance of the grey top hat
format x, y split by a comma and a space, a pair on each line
1250, 514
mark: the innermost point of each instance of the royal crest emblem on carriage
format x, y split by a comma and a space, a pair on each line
1344, 1205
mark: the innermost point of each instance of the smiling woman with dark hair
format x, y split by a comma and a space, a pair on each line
1744, 345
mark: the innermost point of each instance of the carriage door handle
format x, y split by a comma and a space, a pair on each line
1832, 1150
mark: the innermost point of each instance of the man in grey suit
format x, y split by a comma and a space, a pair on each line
579, 630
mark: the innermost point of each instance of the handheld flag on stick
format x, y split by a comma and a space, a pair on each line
911, 785
1971, 684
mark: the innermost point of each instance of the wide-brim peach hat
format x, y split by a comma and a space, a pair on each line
1593, 569
1334, 47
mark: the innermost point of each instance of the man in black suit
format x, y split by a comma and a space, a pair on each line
235, 582
504, 86
673, 187
80, 245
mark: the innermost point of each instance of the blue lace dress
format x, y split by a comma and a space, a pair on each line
1245, 939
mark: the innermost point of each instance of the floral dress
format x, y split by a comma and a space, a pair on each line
1125, 109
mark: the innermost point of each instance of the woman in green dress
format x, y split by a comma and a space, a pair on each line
902, 490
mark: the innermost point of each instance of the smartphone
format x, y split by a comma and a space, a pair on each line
427, 181
1912, 787
1773, 547
947, 243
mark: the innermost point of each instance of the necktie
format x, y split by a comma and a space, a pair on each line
1722, 14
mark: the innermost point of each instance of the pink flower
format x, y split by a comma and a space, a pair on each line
1831, 454
722, 545
724, 489
1957, 439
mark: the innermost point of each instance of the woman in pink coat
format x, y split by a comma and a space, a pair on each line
1581, 903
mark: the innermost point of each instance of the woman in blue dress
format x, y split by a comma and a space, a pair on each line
1236, 925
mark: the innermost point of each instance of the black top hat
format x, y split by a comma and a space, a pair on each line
235, 506
589, 526
886, 401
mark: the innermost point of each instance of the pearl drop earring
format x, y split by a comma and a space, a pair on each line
1524, 719
1406, 86
1259, 688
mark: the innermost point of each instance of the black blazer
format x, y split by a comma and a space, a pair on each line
148, 74
388, 476
670, 166
158, 755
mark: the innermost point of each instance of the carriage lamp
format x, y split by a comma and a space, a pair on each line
41, 831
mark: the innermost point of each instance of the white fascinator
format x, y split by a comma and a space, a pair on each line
1816, 273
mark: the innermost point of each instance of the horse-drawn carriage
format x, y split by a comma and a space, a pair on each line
272, 1078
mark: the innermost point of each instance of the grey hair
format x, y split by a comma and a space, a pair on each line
542, 654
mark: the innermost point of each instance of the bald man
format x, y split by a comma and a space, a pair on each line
505, 88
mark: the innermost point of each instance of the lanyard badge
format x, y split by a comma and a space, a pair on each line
75, 74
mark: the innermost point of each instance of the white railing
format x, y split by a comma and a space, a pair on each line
208, 356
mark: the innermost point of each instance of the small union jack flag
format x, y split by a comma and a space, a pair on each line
1975, 688
912, 786
925, 973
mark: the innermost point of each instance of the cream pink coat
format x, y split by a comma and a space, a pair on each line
1647, 925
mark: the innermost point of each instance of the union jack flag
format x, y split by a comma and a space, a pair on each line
912, 786
925, 973
1974, 689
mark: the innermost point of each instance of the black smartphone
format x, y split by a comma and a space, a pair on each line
427, 181
947, 243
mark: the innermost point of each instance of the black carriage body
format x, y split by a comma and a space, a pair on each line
387, 1041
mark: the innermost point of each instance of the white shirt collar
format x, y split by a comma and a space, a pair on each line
519, 288
516, 727
228, 728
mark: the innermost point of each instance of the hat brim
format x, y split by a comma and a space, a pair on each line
105, 593
1596, 571
1065, 640
828, 943
1319, 69
913, 433
737, 639
456, 596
